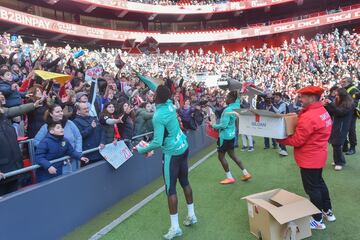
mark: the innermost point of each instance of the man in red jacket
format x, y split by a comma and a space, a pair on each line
310, 142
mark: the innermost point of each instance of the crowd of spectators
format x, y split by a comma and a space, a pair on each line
117, 105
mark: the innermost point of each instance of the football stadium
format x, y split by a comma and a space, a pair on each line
179, 119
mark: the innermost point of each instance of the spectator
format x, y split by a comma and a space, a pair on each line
332, 94
17, 75
71, 133
126, 127
342, 110
199, 114
10, 153
54, 146
247, 140
187, 116
109, 123
264, 103
91, 132
83, 97
36, 117
143, 120
347, 83
279, 107
10, 89
68, 101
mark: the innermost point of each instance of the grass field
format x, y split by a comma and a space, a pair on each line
221, 212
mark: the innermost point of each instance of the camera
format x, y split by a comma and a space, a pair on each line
268, 100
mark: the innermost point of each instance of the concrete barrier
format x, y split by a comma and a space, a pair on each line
52, 209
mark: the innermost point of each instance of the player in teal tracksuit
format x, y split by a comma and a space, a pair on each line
168, 136
227, 135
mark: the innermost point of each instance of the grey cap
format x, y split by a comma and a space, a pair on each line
79, 95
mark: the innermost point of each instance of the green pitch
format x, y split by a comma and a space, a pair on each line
221, 212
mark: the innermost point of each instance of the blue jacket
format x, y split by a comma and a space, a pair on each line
71, 133
51, 148
279, 107
91, 137
13, 98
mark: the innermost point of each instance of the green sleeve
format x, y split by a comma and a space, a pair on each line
18, 110
224, 121
148, 115
158, 137
237, 103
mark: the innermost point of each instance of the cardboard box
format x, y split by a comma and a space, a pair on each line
264, 123
279, 214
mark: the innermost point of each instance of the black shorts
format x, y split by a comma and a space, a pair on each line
175, 167
226, 146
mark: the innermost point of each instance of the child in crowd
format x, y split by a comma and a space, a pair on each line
54, 146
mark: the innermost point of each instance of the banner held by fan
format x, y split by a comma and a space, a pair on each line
56, 77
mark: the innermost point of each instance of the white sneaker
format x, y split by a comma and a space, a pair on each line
283, 153
190, 221
173, 233
251, 149
333, 163
329, 216
338, 168
317, 225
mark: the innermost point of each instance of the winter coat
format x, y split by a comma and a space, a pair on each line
310, 140
13, 98
108, 128
198, 117
342, 118
186, 114
51, 148
35, 121
143, 123
71, 133
126, 129
91, 137
354, 93
10, 153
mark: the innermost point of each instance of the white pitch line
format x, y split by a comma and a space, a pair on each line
139, 205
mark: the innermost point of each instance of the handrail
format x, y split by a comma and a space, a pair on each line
36, 166
25, 141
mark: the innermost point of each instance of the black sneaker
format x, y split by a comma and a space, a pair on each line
265, 148
345, 149
351, 152
243, 149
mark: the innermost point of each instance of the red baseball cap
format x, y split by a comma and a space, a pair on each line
311, 90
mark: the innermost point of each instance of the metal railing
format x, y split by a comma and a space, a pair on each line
36, 166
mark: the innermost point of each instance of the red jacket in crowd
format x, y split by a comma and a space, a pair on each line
311, 136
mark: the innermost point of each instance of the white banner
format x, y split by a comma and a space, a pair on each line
117, 154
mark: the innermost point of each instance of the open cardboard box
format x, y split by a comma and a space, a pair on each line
264, 123
279, 215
